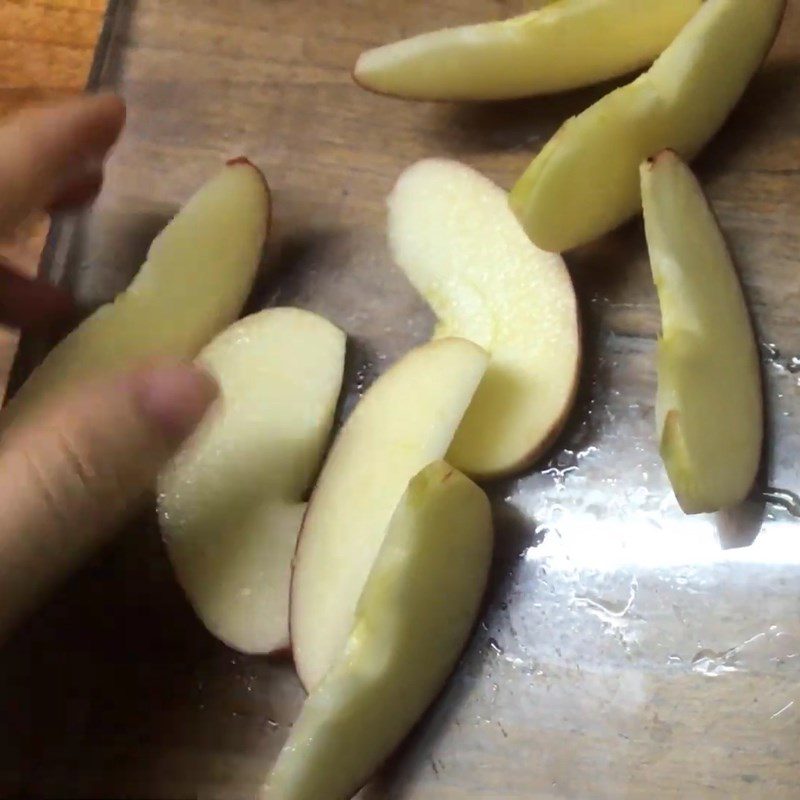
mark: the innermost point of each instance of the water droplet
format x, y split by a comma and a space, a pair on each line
540, 532
566, 458
495, 647
756, 653
588, 451
712, 665
609, 610
786, 499
783, 710
365, 375
770, 351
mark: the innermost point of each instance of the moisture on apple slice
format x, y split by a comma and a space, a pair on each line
406, 419
566, 44
230, 502
412, 622
452, 233
197, 276
709, 404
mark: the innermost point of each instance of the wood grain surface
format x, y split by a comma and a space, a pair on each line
626, 652
46, 49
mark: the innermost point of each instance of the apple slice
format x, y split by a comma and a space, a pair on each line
709, 403
229, 503
585, 181
405, 420
412, 622
196, 278
453, 234
566, 44
236, 571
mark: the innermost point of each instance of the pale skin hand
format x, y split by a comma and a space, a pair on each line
69, 474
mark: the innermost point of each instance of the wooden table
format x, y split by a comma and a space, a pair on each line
46, 49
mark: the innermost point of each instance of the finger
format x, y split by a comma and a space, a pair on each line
46, 152
32, 304
80, 193
69, 475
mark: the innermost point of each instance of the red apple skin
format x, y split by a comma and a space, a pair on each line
244, 160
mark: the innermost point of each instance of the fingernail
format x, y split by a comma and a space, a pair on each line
175, 397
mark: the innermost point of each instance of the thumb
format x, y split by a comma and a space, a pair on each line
69, 474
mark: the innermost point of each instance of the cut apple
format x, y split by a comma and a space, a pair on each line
229, 503
585, 181
709, 403
412, 622
236, 571
453, 234
196, 278
566, 44
405, 420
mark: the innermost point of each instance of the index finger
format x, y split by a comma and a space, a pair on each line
46, 152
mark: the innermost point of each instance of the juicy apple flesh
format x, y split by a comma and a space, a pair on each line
585, 181
196, 278
406, 419
566, 44
452, 233
412, 622
230, 501
709, 404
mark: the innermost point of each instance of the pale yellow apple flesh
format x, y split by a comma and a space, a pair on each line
585, 181
196, 278
453, 234
412, 622
566, 44
405, 420
709, 404
230, 502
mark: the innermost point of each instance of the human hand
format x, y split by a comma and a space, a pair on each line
70, 473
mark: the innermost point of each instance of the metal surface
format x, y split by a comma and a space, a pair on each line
626, 651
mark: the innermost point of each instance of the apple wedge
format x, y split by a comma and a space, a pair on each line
709, 403
566, 44
405, 420
453, 234
196, 278
585, 181
412, 622
230, 502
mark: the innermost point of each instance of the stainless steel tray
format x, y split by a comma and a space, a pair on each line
627, 651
